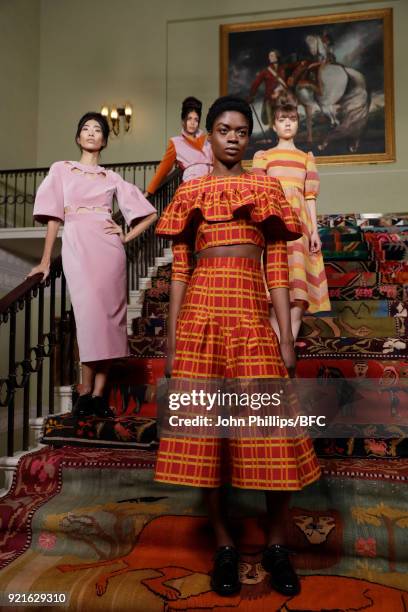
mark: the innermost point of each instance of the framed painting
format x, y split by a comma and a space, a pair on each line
338, 69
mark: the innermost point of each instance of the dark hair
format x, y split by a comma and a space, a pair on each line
286, 109
276, 52
103, 122
229, 103
191, 104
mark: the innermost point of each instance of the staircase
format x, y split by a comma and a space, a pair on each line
84, 515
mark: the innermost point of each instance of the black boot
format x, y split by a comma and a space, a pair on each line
275, 560
225, 574
83, 406
101, 407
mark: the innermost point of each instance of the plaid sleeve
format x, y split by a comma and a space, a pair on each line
182, 266
276, 264
312, 182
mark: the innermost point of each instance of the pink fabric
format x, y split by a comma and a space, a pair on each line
94, 262
194, 162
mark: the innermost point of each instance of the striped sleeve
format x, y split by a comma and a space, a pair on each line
312, 182
183, 265
276, 264
259, 163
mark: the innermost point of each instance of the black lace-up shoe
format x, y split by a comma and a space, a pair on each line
101, 407
275, 560
83, 406
225, 574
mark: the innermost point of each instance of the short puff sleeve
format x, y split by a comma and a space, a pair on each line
312, 182
132, 203
259, 163
49, 200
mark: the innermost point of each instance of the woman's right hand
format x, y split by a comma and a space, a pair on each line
169, 364
43, 269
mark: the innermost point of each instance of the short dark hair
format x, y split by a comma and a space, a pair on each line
229, 103
191, 104
103, 122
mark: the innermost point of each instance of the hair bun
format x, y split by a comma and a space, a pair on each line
191, 103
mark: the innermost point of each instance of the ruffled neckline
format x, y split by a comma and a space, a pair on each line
220, 199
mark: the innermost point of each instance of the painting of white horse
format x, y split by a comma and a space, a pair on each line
337, 69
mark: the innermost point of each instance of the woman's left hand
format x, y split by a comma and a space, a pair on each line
113, 228
315, 242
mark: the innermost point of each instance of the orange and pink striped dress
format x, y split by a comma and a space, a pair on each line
298, 176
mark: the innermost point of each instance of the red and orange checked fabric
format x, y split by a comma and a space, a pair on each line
213, 211
223, 332
298, 176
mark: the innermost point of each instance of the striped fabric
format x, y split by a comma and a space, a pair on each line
298, 176
223, 332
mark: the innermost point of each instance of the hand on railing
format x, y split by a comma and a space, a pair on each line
43, 269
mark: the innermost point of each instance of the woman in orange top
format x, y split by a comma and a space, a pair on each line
190, 151
298, 176
219, 331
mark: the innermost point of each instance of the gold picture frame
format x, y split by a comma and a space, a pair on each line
368, 97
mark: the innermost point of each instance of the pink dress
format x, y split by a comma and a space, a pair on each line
94, 262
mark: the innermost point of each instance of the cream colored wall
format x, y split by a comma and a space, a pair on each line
154, 52
19, 57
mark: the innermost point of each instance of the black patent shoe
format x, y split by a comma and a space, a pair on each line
83, 406
275, 560
225, 574
101, 407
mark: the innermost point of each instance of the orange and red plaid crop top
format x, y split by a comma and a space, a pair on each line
215, 211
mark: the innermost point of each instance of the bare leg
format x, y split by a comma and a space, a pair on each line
101, 377
213, 498
274, 322
88, 377
277, 505
296, 316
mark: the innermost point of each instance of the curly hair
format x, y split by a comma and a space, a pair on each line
229, 103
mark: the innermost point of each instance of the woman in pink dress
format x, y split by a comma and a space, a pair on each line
191, 151
79, 194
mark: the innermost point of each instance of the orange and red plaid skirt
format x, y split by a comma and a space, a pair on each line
223, 331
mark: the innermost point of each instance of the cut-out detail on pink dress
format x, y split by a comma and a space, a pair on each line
94, 262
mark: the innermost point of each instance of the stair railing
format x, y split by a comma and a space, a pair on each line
37, 325
18, 188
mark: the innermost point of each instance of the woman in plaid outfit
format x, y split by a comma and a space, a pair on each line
219, 330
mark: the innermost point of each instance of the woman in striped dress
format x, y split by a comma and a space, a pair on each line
298, 175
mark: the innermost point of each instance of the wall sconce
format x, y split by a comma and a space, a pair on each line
113, 116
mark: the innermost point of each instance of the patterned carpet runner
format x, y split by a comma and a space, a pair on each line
85, 518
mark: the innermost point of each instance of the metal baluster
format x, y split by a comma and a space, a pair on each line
12, 382
5, 201
26, 371
62, 330
25, 200
40, 348
51, 347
